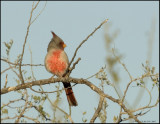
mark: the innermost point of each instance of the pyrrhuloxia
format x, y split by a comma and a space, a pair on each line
56, 62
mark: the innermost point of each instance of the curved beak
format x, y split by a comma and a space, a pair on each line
64, 45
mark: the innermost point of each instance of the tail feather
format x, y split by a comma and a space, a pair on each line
70, 95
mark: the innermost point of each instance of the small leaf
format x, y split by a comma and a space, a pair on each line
84, 113
141, 81
115, 119
84, 120
5, 111
153, 69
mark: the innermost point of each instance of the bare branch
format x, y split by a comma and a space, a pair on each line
6, 81
7, 69
20, 71
25, 107
41, 112
6, 118
98, 110
16, 64
120, 114
85, 41
140, 114
129, 113
31, 63
145, 107
50, 91
39, 13
73, 67
126, 90
33, 119
125, 68
54, 80
12, 101
74, 80
151, 40
67, 115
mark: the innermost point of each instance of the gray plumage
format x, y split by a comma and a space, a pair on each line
55, 43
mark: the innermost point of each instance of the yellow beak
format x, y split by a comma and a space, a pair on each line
64, 45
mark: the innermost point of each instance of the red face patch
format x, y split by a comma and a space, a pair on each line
56, 65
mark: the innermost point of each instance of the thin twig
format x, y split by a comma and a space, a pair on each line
151, 40
33, 119
51, 91
55, 105
6, 118
126, 90
129, 113
119, 117
122, 64
140, 114
31, 63
20, 71
7, 69
73, 67
45, 91
13, 68
12, 101
148, 93
145, 107
39, 13
85, 41
97, 110
41, 113
6, 81
16, 64
25, 107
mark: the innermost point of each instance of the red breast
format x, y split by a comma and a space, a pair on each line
56, 62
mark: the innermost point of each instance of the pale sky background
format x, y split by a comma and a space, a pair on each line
73, 22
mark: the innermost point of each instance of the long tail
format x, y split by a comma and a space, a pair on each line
70, 95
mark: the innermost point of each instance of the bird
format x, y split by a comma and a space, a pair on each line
56, 62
